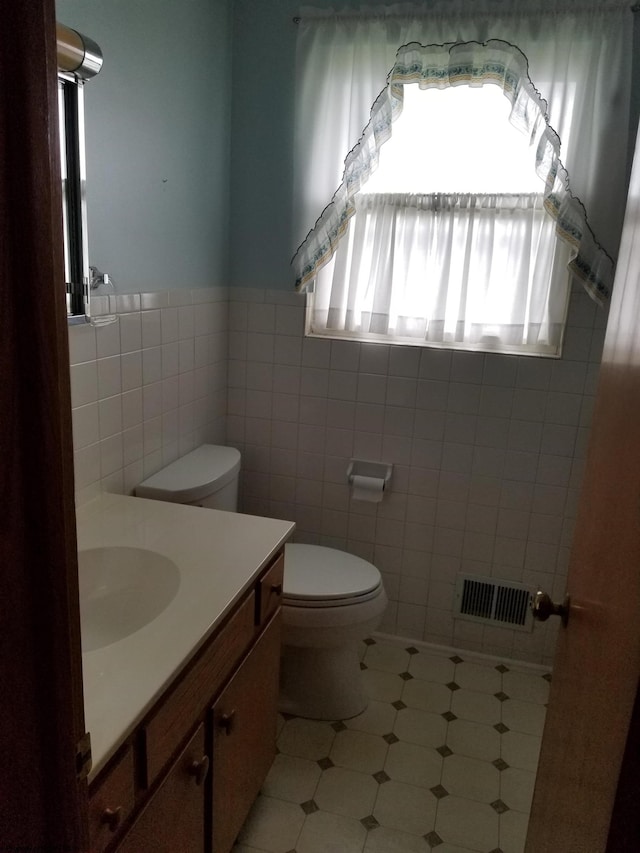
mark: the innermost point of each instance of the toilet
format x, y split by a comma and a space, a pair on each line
331, 599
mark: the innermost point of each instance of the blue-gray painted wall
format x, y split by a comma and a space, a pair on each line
157, 131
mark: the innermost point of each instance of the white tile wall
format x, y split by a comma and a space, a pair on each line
488, 452
148, 388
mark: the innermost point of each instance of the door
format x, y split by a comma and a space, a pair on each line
43, 801
244, 736
173, 820
597, 661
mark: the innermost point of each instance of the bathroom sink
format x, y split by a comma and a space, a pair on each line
121, 590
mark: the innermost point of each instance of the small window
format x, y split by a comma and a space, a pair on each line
74, 208
449, 244
453, 224
79, 59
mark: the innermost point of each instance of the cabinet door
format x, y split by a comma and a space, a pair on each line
173, 821
244, 736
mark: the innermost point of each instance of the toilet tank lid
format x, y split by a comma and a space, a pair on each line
194, 476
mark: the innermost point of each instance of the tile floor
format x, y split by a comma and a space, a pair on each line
443, 759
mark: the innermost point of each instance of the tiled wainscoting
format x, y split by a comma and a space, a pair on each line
443, 760
488, 454
147, 388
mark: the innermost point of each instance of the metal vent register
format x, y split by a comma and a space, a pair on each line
487, 600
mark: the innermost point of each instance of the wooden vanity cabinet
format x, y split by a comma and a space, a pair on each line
185, 779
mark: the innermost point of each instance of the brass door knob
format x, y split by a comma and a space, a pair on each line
543, 607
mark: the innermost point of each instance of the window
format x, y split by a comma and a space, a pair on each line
444, 234
79, 59
449, 243
74, 209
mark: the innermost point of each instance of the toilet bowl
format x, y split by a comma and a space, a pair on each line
331, 599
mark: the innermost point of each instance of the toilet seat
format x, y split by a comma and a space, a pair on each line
315, 576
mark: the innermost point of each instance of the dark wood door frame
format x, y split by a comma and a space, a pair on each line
42, 803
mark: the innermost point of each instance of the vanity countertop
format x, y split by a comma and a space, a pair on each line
219, 555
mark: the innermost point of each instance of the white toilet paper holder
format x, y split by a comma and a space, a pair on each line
365, 468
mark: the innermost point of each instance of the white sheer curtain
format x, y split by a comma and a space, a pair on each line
578, 60
465, 247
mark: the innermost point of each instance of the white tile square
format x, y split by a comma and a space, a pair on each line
496, 402
404, 361
131, 370
169, 326
410, 620
463, 398
260, 347
110, 416
467, 823
374, 358
130, 332
405, 807
324, 831
432, 395
152, 400
516, 788
387, 840
133, 446
309, 739
346, 792
345, 356
287, 349
476, 706
513, 831
412, 764
358, 751
82, 343
435, 364
151, 365
289, 320
151, 328
111, 455
377, 718
292, 779
262, 317
432, 667
484, 678
316, 353
342, 385
521, 750
273, 825
471, 778
413, 725
86, 465
86, 428
382, 686
427, 696
500, 370
84, 383
108, 340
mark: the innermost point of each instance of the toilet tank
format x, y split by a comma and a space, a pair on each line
208, 476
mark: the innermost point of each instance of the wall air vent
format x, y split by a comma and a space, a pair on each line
500, 603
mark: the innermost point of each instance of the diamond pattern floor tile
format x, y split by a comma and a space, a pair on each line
442, 761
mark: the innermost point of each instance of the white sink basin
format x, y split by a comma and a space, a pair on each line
122, 590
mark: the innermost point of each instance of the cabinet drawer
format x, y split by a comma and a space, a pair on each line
111, 802
189, 698
270, 591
